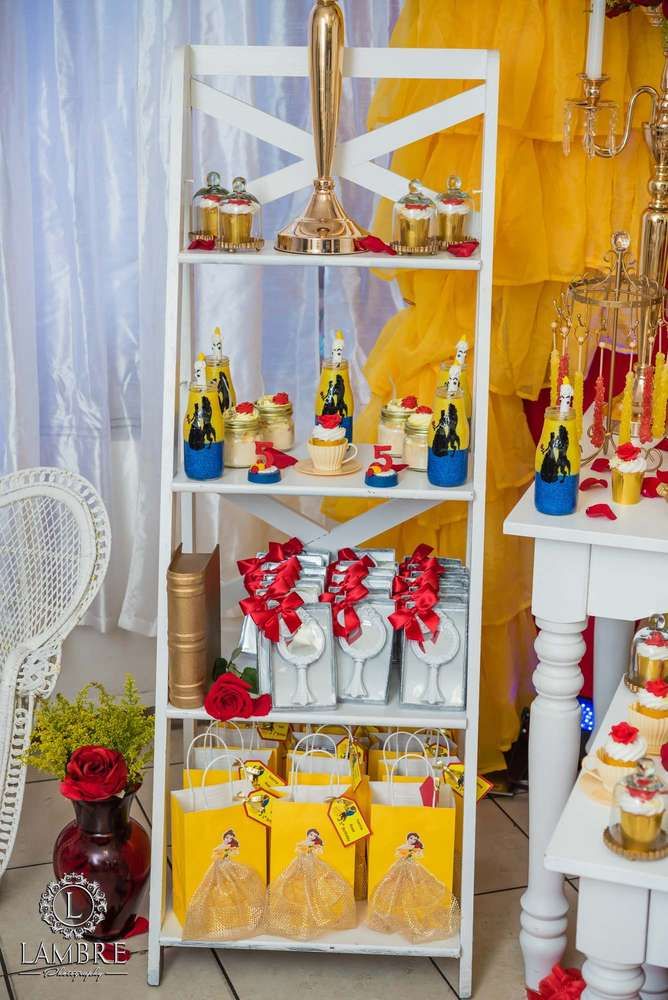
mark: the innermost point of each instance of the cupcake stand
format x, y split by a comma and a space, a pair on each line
352, 160
617, 571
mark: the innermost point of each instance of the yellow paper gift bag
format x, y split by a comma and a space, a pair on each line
201, 816
229, 760
398, 814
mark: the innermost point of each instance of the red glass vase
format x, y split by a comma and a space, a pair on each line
108, 846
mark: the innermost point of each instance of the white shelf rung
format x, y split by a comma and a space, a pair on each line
359, 940
271, 257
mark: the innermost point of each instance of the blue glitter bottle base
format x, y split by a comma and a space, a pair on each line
205, 463
448, 470
557, 498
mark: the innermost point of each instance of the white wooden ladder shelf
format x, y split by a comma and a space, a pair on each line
354, 161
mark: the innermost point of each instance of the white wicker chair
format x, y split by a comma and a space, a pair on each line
54, 550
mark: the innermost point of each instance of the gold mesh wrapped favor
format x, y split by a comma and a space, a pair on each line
230, 901
310, 897
411, 901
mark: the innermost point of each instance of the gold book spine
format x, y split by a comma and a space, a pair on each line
193, 625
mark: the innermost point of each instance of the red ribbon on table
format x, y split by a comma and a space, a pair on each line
409, 614
268, 619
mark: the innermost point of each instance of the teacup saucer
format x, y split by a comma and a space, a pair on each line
306, 466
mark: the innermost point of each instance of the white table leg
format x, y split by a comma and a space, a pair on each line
656, 983
612, 641
554, 744
612, 933
611, 980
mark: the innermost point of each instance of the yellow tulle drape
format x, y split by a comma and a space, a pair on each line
554, 216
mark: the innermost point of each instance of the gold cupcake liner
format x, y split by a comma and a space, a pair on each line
626, 487
654, 730
429, 249
610, 774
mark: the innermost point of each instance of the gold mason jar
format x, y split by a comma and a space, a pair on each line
277, 422
242, 430
391, 428
416, 446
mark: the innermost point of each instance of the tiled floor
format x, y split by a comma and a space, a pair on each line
500, 878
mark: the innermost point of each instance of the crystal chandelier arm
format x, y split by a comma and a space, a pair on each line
608, 152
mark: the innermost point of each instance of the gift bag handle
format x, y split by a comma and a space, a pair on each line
401, 732
231, 758
348, 729
407, 756
215, 724
311, 753
202, 736
314, 750
439, 736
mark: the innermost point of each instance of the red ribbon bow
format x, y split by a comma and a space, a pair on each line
419, 554
278, 551
349, 555
273, 456
561, 984
268, 619
410, 613
345, 620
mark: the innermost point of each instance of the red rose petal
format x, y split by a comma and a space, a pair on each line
600, 465
262, 705
601, 510
463, 249
593, 484
649, 487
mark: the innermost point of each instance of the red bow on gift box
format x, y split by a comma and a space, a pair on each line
345, 620
268, 619
349, 555
280, 582
277, 552
351, 575
405, 585
409, 614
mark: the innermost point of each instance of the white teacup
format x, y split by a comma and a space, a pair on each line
331, 456
607, 774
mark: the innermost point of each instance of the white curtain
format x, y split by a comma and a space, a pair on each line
84, 128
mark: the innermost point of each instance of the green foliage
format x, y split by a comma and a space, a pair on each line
223, 665
121, 724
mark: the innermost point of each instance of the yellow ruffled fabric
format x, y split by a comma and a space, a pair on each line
554, 217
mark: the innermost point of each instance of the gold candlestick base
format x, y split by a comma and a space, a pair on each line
324, 228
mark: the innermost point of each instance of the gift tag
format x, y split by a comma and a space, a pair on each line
261, 776
454, 777
274, 731
347, 820
345, 748
258, 806
429, 792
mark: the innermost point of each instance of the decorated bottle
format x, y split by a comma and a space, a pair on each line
218, 374
203, 428
447, 460
335, 392
557, 468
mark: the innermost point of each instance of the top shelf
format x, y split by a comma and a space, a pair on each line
271, 257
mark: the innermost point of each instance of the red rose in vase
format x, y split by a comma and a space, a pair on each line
229, 698
94, 773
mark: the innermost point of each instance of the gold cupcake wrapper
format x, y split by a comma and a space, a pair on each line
626, 487
652, 729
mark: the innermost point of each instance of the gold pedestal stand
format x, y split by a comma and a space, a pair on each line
325, 227
612, 838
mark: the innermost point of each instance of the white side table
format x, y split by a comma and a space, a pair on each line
622, 922
617, 571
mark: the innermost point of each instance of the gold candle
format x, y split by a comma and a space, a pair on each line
627, 409
660, 396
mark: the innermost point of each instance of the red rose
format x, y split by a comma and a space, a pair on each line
561, 984
281, 398
229, 698
245, 408
623, 733
329, 420
409, 402
627, 451
656, 639
664, 756
94, 773
424, 409
658, 687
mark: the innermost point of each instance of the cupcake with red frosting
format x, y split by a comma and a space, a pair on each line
620, 753
650, 714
